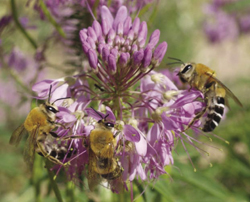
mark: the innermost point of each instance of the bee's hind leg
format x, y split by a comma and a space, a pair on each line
47, 155
197, 117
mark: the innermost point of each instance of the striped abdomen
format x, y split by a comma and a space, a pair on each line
214, 113
51, 147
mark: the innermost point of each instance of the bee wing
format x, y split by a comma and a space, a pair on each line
117, 185
17, 135
229, 92
29, 151
93, 178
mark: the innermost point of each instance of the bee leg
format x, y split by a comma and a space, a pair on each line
84, 141
48, 156
60, 125
190, 88
72, 137
197, 116
56, 161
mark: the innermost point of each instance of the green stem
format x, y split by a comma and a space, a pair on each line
19, 81
53, 182
14, 75
70, 191
51, 19
37, 175
19, 26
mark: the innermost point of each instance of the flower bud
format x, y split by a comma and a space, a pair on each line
97, 28
92, 58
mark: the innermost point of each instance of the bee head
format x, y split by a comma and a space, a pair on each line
186, 72
103, 122
50, 110
106, 124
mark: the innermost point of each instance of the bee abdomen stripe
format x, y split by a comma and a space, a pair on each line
209, 126
53, 153
219, 105
220, 100
215, 123
219, 109
214, 116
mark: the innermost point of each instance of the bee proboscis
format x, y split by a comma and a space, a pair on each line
39, 124
215, 93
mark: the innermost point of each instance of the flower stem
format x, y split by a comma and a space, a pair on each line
19, 81
37, 174
19, 26
51, 19
14, 75
53, 182
70, 191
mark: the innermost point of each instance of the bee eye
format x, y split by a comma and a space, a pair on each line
52, 109
110, 125
186, 68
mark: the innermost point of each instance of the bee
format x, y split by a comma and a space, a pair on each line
102, 163
101, 144
39, 124
215, 93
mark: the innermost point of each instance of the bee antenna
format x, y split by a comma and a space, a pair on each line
97, 113
178, 60
171, 63
61, 99
49, 93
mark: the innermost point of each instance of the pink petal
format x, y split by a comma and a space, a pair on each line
95, 114
131, 134
141, 172
111, 114
141, 146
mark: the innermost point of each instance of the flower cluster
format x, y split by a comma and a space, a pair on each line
69, 16
226, 19
146, 108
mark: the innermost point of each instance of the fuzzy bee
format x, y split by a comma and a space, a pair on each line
39, 124
215, 93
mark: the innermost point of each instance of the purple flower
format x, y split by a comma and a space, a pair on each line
143, 109
70, 15
222, 23
220, 26
245, 23
124, 48
4, 21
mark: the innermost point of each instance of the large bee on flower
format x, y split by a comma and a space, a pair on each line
102, 165
39, 124
215, 93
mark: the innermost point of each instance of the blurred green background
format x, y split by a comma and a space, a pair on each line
228, 179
